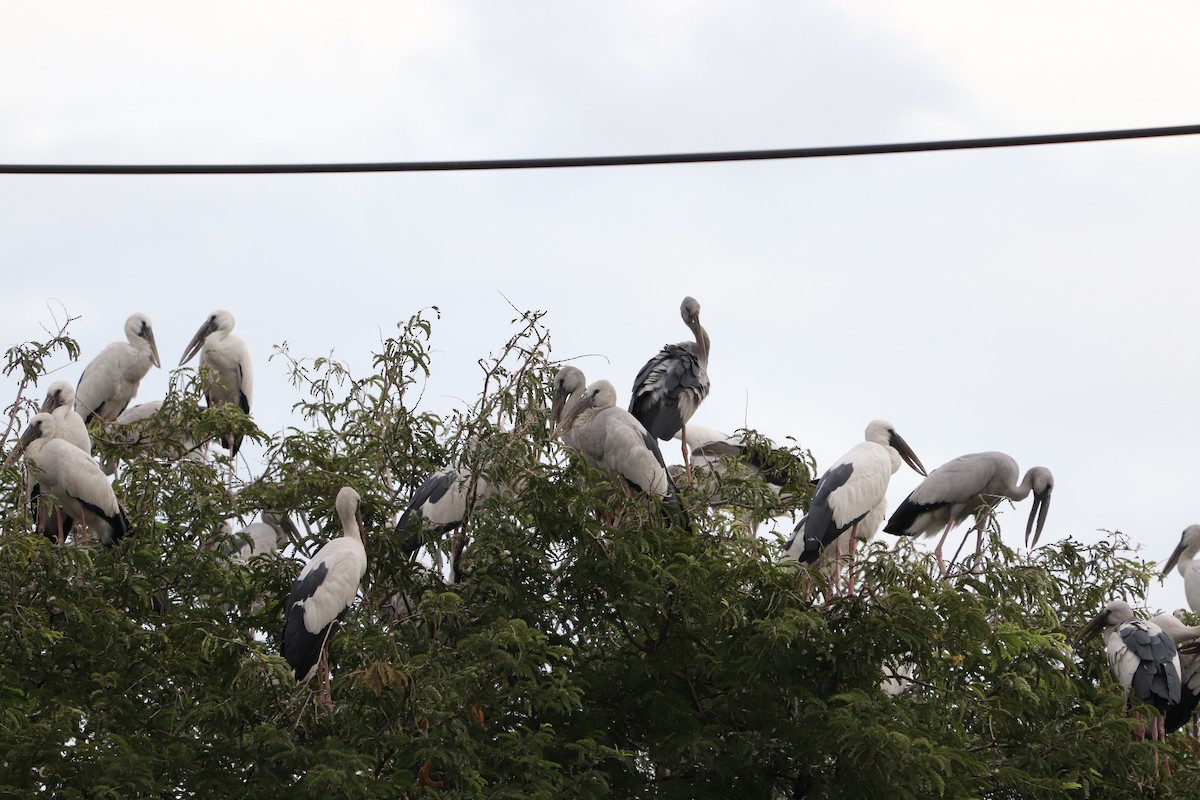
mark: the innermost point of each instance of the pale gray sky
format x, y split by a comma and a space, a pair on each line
1037, 301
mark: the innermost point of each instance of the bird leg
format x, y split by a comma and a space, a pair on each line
83, 528
835, 568
325, 681
938, 550
850, 568
687, 459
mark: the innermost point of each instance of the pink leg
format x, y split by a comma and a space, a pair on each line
938, 550
687, 457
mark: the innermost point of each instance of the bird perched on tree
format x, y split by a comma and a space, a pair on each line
323, 593
671, 386
1184, 556
112, 378
75, 482
569, 384
852, 488
610, 438
971, 485
1142, 656
231, 379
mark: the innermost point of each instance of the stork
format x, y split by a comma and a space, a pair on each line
440, 503
671, 386
112, 378
1189, 669
73, 479
60, 403
569, 383
259, 538
1142, 657
1184, 556
612, 439
227, 358
322, 595
971, 485
134, 429
854, 486
716, 456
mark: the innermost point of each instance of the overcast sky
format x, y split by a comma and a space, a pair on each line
1039, 301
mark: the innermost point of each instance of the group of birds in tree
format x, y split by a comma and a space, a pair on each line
849, 504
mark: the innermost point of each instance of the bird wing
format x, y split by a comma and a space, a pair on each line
629, 451
1154, 677
99, 383
951, 491
328, 584
669, 389
1189, 695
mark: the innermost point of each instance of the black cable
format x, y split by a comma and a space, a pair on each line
593, 161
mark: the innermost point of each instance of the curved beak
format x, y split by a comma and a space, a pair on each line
1092, 628
28, 436
51, 402
906, 453
1041, 506
197, 342
569, 418
1174, 558
556, 407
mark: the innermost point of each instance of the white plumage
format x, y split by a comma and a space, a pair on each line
112, 378
231, 378
853, 488
324, 590
259, 538
74, 481
1184, 556
60, 404
569, 385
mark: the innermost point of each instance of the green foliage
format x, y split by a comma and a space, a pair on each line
560, 656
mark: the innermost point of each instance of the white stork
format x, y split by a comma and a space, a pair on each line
569, 384
231, 379
671, 386
612, 439
1185, 557
111, 380
322, 594
853, 487
72, 479
971, 485
1142, 656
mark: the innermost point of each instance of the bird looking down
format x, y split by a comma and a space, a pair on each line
112, 378
230, 379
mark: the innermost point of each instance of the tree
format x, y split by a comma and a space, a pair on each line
558, 656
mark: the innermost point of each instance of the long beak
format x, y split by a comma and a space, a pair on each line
154, 359
1174, 557
568, 419
1041, 506
1091, 629
556, 407
196, 343
51, 402
22, 443
906, 452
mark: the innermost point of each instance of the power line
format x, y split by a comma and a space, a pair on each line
594, 161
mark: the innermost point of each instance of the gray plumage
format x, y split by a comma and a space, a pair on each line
1142, 656
971, 485
611, 439
671, 386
